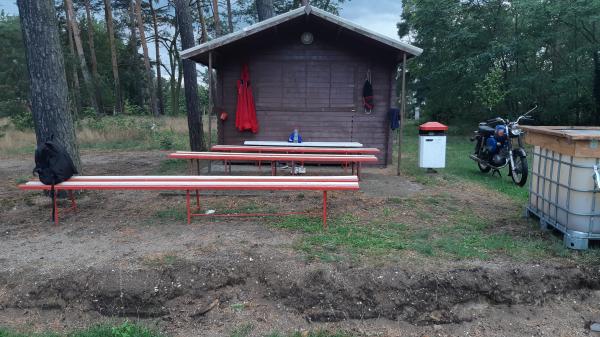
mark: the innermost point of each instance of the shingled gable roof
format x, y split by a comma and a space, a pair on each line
198, 52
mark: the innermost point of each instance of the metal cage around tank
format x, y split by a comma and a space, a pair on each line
564, 195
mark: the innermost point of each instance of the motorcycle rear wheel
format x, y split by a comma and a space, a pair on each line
519, 176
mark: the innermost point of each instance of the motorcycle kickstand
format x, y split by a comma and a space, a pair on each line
494, 171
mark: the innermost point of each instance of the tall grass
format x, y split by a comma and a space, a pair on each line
121, 132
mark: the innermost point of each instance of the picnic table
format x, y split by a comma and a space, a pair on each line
273, 158
305, 144
295, 149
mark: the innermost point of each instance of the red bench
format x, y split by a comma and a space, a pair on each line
294, 149
197, 183
273, 158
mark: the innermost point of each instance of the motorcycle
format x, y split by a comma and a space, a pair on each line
494, 147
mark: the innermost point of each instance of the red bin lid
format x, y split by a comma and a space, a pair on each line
433, 126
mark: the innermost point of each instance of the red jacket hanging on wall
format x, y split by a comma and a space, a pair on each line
245, 114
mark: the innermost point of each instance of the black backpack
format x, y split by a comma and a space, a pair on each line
53, 164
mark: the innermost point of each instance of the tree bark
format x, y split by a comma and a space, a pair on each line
217, 21
184, 22
47, 80
90, 33
149, 80
91, 45
229, 16
596, 86
113, 56
159, 93
264, 9
76, 90
133, 62
204, 36
81, 57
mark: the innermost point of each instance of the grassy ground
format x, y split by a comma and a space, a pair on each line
127, 329
465, 235
459, 167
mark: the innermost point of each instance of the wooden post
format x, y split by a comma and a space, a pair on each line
402, 108
210, 103
209, 140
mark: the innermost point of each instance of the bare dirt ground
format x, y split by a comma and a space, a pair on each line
131, 255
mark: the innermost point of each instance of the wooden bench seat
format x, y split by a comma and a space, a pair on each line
199, 183
273, 158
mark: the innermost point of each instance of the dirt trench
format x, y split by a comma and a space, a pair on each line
317, 292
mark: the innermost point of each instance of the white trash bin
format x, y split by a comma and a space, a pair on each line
432, 145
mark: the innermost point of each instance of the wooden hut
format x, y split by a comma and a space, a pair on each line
307, 70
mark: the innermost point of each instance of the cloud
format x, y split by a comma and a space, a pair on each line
377, 15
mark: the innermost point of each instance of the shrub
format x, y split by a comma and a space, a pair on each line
22, 120
132, 109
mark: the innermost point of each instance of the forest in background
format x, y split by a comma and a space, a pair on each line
136, 82
483, 58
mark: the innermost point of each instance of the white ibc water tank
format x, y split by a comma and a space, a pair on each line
564, 189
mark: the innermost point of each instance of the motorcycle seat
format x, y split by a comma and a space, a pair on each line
486, 130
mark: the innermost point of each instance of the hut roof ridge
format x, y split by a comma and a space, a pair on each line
298, 12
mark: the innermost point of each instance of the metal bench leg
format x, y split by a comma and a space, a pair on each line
55, 206
324, 209
358, 170
197, 200
187, 203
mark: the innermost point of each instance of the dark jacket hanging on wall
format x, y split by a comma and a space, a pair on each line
394, 118
368, 101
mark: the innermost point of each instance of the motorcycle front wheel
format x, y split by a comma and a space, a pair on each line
519, 174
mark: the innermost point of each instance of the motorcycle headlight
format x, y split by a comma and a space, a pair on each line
515, 132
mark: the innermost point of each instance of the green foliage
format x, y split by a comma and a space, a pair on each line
22, 120
540, 52
14, 84
126, 329
491, 91
243, 330
133, 109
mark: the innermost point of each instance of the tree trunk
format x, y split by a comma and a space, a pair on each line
81, 57
91, 45
47, 80
90, 33
178, 87
217, 21
173, 65
149, 80
596, 86
204, 36
133, 62
113, 56
76, 90
229, 16
264, 9
159, 93
184, 21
